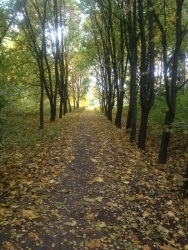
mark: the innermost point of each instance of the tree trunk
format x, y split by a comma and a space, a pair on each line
163, 148
132, 112
123, 71
41, 105
65, 106
143, 130
52, 110
147, 69
133, 122
109, 112
162, 158
61, 108
74, 103
119, 109
70, 108
132, 48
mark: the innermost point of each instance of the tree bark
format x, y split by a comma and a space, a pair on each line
143, 130
132, 51
147, 68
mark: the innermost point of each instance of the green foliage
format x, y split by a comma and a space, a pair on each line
3, 102
181, 119
158, 112
21, 130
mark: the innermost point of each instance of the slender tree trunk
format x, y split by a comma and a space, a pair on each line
70, 108
143, 129
171, 91
41, 105
74, 103
110, 91
119, 109
61, 107
132, 49
123, 69
132, 112
163, 152
65, 89
52, 109
146, 70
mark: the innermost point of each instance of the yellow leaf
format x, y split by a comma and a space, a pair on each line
169, 202
71, 223
146, 214
33, 235
182, 233
130, 198
100, 198
186, 210
167, 247
93, 243
2, 210
111, 204
54, 212
98, 179
100, 225
89, 199
93, 160
90, 216
146, 248
29, 214
163, 229
8, 245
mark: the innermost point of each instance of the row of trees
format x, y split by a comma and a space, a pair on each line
137, 50
141, 49
41, 54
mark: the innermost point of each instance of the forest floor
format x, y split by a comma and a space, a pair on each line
91, 189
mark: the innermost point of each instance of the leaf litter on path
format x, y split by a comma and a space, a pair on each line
91, 190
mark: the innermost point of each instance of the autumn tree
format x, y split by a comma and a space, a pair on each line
171, 60
147, 64
8, 15
104, 37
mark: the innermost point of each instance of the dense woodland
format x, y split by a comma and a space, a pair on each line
131, 53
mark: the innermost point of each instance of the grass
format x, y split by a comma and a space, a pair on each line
22, 138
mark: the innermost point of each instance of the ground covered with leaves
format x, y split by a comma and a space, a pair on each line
89, 188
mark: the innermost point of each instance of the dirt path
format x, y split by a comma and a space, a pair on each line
96, 192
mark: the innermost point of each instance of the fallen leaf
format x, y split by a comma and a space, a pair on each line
29, 214
171, 214
89, 199
33, 235
100, 225
54, 212
130, 198
99, 199
146, 248
146, 214
167, 247
71, 223
93, 243
98, 179
182, 233
94, 160
163, 229
111, 204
